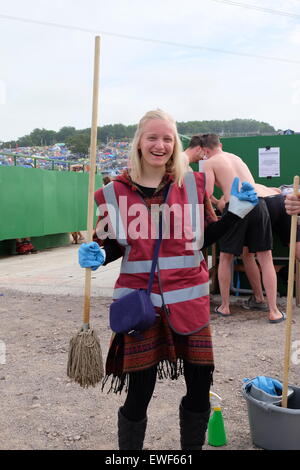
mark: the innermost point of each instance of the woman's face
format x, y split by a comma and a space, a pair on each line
157, 142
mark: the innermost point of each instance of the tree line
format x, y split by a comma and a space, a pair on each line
78, 140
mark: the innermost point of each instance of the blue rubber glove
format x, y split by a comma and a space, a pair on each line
90, 255
267, 384
243, 201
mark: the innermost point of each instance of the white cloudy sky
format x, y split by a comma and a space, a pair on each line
46, 72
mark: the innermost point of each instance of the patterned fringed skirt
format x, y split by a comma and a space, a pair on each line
160, 346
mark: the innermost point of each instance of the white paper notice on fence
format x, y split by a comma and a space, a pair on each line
269, 162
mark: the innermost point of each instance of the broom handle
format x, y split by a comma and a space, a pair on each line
90, 212
289, 309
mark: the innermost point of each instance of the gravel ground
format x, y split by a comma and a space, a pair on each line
42, 409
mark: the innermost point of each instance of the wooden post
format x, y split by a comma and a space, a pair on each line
93, 147
289, 309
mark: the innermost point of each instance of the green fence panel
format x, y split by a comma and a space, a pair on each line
247, 149
36, 202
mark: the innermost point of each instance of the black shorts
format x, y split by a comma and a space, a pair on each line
254, 231
280, 220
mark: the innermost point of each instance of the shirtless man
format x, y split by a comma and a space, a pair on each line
281, 225
194, 152
253, 231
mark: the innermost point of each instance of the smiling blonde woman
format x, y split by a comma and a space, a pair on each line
179, 342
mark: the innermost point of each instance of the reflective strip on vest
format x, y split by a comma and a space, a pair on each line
169, 262
191, 188
194, 207
114, 213
172, 262
116, 219
201, 166
171, 297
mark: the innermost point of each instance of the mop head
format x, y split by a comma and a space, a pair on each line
85, 364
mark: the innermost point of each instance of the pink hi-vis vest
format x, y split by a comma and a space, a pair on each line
183, 282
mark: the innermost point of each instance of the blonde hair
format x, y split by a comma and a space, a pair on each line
175, 166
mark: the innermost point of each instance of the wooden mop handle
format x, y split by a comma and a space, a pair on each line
289, 309
93, 149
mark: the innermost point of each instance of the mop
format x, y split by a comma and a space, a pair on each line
85, 364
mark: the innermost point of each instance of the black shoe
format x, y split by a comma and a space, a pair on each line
131, 434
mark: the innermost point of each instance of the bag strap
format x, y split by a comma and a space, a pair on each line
157, 244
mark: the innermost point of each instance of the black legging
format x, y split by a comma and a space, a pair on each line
198, 379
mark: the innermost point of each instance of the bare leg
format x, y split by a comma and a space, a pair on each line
75, 238
253, 274
224, 276
270, 282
